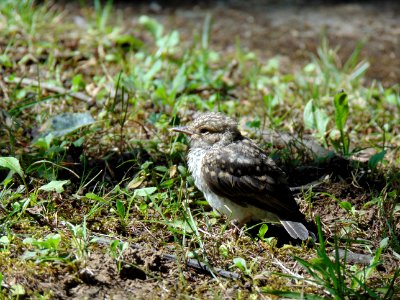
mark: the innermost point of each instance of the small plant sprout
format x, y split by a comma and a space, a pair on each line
341, 105
317, 119
14, 166
261, 234
5, 242
79, 240
241, 264
117, 249
46, 249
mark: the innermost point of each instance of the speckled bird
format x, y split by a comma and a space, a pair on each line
237, 178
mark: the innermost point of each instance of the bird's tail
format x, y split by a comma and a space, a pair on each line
297, 230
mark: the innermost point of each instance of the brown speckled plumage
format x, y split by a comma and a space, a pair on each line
238, 178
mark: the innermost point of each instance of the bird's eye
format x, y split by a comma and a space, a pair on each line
204, 130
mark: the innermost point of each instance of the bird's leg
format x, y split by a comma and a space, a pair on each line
235, 228
237, 224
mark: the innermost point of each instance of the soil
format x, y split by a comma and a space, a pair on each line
292, 30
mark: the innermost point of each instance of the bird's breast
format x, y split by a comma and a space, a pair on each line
221, 204
195, 162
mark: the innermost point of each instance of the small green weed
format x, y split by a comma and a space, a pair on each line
46, 249
334, 277
117, 249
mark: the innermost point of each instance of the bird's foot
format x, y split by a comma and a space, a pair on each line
236, 228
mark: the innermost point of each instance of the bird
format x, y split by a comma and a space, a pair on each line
238, 178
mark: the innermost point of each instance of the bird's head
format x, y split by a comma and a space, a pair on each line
210, 128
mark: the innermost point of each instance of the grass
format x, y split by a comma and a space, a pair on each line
95, 181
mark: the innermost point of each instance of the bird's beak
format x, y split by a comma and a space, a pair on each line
182, 129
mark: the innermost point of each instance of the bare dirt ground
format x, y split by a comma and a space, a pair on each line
293, 29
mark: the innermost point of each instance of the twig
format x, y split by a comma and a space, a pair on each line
198, 265
310, 185
193, 263
283, 267
354, 258
293, 274
56, 89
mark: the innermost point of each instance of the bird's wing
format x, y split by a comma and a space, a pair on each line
244, 173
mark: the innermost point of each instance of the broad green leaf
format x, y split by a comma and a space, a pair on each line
341, 110
168, 42
136, 182
178, 85
161, 169
167, 184
240, 263
123, 246
315, 118
52, 241
181, 224
345, 205
146, 165
11, 163
145, 191
77, 83
54, 186
262, 231
384, 243
114, 245
308, 115
322, 121
392, 97
17, 290
44, 142
375, 159
126, 39
154, 70
152, 25
4, 240
270, 101
93, 196
5, 61
65, 123
28, 255
120, 208
256, 123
